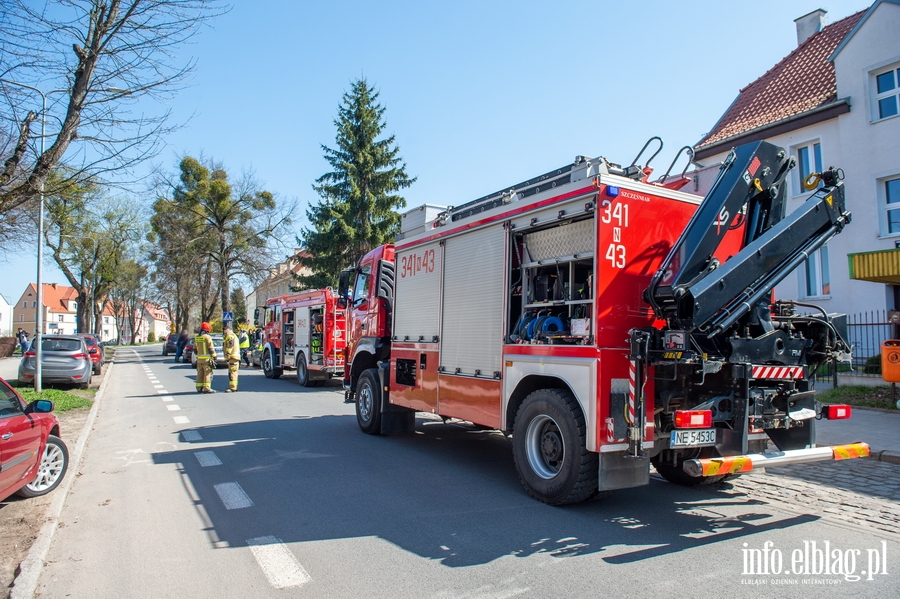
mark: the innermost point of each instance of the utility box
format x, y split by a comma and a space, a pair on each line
890, 360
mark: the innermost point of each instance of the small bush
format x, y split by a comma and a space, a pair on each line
873, 365
7, 346
151, 337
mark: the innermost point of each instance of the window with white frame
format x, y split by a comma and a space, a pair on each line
891, 190
34, 304
887, 93
24, 304
815, 277
809, 160
60, 318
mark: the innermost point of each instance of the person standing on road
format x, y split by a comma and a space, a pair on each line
232, 356
206, 359
244, 342
180, 343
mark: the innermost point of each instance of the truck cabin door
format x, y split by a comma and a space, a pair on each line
360, 320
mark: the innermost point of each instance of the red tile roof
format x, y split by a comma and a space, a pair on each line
803, 81
57, 297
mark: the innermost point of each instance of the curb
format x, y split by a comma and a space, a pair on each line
886, 455
24, 584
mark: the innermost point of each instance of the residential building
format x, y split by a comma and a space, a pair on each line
59, 314
833, 101
6, 318
148, 317
279, 282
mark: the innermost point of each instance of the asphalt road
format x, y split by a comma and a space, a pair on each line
274, 492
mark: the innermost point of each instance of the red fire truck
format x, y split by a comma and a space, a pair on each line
607, 323
304, 332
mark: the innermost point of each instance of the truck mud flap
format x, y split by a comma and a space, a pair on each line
617, 471
394, 419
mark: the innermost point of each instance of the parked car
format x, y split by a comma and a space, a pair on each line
188, 351
219, 349
34, 458
95, 351
169, 345
64, 359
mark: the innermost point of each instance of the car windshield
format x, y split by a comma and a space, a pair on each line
90, 341
51, 344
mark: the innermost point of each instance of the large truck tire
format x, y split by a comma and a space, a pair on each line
268, 365
674, 473
303, 372
550, 449
368, 402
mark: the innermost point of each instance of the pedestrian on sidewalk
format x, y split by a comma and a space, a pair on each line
231, 348
206, 359
23, 340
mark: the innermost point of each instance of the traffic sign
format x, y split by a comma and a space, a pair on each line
227, 316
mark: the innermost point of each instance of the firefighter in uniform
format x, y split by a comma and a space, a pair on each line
206, 359
244, 340
230, 346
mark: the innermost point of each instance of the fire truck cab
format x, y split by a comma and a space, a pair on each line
304, 332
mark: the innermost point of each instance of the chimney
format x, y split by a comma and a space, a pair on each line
810, 24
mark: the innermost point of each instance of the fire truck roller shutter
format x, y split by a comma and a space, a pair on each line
472, 328
417, 293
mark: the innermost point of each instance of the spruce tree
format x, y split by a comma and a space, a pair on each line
357, 210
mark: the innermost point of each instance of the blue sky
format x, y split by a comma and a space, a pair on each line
480, 95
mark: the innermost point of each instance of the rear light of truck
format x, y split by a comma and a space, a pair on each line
836, 412
693, 418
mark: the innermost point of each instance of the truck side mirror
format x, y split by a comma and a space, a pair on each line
256, 317
344, 283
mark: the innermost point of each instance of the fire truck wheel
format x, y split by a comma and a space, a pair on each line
674, 473
303, 372
269, 366
368, 402
550, 450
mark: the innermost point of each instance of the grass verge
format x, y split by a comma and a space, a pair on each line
63, 400
860, 395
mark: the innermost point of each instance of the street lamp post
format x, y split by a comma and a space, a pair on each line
39, 311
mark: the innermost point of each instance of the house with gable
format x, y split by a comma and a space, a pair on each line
833, 101
59, 312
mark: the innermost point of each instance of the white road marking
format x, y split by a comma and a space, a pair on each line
233, 496
158, 386
208, 458
181, 419
161, 391
173, 408
277, 562
168, 398
191, 436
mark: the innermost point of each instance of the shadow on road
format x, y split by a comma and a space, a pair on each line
448, 493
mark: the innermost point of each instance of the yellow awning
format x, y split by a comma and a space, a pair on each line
882, 266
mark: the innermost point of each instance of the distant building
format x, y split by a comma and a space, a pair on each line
279, 282
59, 314
833, 101
6, 318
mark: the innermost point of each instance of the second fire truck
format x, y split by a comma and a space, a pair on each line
304, 332
607, 323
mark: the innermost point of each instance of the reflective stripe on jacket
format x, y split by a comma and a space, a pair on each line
230, 347
203, 346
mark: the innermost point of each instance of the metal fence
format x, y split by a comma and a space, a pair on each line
866, 331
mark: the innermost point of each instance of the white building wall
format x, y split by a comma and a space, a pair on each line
6, 318
871, 148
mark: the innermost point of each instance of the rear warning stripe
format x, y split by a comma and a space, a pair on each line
777, 372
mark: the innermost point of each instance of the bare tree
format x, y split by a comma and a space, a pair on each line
103, 56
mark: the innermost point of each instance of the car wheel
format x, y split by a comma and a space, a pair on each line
51, 469
98, 368
368, 402
550, 448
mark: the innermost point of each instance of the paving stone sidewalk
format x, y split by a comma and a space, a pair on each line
862, 492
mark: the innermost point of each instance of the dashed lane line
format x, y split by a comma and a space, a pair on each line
233, 496
207, 458
181, 420
191, 436
277, 562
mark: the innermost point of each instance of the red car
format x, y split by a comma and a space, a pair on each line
95, 351
33, 459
